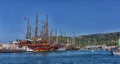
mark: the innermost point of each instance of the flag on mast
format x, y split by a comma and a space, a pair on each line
26, 19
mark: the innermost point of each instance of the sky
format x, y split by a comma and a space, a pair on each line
79, 16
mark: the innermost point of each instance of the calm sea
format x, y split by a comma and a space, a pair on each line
61, 57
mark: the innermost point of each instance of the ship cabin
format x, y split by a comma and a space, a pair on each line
44, 45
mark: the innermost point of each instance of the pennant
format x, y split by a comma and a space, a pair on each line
26, 19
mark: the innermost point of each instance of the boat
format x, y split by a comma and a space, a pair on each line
40, 46
61, 48
37, 43
71, 44
71, 47
116, 52
27, 49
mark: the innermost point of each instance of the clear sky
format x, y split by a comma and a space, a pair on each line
79, 16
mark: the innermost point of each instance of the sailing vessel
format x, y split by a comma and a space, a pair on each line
37, 43
71, 44
36, 47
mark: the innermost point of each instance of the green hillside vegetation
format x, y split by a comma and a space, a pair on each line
108, 39
98, 39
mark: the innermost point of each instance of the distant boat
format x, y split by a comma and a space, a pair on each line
61, 49
27, 49
71, 47
116, 52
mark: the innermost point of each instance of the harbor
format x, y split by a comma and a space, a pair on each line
39, 42
59, 32
47, 42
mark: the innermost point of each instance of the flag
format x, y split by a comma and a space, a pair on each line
26, 19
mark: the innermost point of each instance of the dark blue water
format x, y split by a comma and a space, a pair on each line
61, 57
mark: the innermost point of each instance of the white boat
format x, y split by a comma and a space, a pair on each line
27, 49
61, 49
116, 52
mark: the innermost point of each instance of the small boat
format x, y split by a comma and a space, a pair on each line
71, 47
116, 52
61, 49
27, 49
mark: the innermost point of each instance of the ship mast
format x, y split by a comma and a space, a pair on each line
73, 39
65, 38
43, 29
29, 32
28, 29
36, 27
47, 28
56, 33
51, 36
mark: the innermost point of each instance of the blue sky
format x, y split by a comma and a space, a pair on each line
79, 16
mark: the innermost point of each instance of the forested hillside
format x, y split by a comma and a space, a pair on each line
98, 39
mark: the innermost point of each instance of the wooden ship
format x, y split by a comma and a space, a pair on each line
37, 43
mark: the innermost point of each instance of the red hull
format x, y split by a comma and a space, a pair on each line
35, 47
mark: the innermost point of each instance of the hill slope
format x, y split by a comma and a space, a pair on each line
98, 39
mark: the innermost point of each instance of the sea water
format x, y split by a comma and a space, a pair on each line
61, 57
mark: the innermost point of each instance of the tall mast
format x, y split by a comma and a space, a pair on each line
47, 28
61, 37
28, 29
56, 33
61, 34
65, 38
43, 29
29, 32
41, 33
51, 36
73, 38
36, 27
